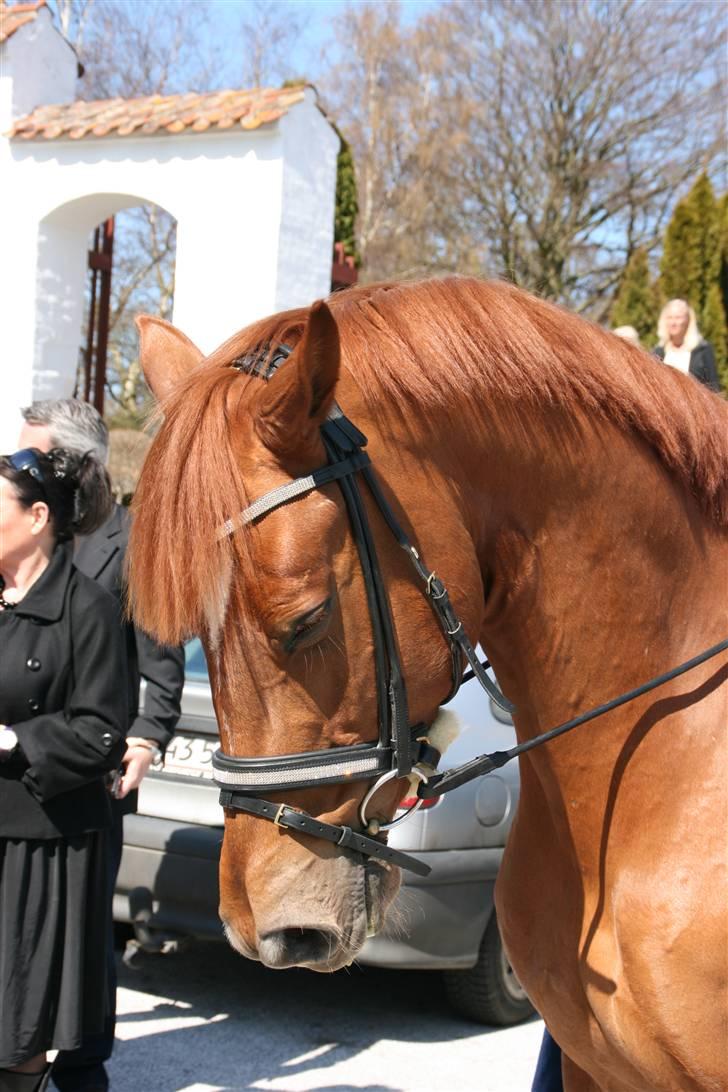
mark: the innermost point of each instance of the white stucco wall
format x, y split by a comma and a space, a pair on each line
255, 228
37, 67
310, 151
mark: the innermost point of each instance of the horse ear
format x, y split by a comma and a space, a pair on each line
165, 354
297, 399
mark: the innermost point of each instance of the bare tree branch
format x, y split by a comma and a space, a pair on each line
269, 32
544, 140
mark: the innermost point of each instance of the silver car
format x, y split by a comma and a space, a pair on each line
168, 886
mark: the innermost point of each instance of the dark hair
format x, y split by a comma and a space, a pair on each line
76, 489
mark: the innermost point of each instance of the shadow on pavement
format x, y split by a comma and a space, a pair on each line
240, 1023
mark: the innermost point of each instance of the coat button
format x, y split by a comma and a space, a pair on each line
33, 705
106, 739
33, 664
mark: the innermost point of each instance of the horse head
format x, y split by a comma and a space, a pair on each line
281, 607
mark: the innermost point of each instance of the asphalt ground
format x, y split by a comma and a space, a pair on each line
207, 1020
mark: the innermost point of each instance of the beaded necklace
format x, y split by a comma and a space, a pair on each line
4, 603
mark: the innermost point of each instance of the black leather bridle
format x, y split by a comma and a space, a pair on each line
401, 749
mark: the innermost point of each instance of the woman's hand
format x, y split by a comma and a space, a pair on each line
138, 757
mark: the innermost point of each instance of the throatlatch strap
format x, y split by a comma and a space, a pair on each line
438, 596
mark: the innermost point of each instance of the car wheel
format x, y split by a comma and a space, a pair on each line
489, 992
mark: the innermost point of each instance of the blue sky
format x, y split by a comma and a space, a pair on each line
316, 15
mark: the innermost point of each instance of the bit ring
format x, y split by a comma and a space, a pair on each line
389, 776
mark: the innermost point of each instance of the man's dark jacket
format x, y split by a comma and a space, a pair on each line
702, 364
101, 556
61, 665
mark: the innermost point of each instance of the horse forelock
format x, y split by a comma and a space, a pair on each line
481, 354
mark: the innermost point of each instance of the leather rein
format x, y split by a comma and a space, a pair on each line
401, 750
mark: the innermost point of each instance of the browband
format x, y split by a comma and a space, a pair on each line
296, 488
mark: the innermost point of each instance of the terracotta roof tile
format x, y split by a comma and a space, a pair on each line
15, 16
190, 112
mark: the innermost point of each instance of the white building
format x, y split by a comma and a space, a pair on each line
249, 176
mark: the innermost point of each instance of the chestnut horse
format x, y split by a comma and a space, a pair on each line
572, 493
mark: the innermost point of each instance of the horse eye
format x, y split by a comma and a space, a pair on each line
308, 625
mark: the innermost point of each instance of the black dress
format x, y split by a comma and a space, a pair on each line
63, 691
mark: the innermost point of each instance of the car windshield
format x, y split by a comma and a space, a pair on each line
195, 665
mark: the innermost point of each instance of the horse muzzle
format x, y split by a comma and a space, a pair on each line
320, 919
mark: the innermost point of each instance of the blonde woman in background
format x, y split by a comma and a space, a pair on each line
681, 345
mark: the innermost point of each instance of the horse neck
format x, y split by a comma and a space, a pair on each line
599, 573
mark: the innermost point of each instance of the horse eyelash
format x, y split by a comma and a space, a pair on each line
302, 629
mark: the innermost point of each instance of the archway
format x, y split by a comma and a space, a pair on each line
253, 204
132, 268
62, 303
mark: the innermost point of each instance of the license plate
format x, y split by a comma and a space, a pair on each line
189, 756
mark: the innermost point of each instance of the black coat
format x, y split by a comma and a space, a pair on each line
701, 366
63, 691
101, 556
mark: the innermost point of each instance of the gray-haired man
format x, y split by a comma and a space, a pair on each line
77, 426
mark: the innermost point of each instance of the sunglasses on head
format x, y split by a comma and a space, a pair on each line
27, 460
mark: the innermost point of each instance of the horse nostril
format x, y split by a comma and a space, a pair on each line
296, 947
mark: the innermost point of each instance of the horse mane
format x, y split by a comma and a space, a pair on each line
453, 348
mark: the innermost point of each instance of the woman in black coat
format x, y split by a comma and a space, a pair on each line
682, 346
62, 712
